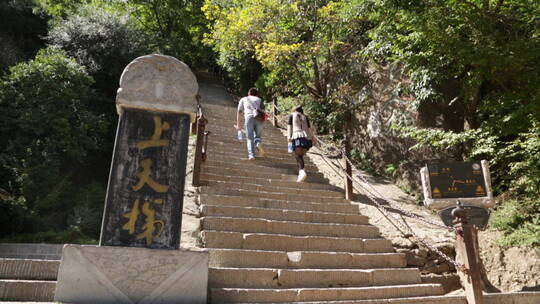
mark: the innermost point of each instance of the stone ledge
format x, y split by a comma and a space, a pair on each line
31, 251
92, 274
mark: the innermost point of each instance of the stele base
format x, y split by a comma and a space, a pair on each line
103, 274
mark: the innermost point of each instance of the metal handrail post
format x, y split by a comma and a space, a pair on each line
348, 170
205, 144
466, 251
201, 125
274, 113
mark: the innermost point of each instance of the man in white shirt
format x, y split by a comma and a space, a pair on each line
254, 127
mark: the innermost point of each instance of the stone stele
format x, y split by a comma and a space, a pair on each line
91, 274
158, 83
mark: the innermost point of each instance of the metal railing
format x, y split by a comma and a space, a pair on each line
201, 144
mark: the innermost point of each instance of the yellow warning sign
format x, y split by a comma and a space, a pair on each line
480, 191
436, 192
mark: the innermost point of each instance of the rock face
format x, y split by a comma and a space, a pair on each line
512, 269
379, 147
378, 144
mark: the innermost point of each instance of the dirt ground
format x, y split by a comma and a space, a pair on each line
513, 269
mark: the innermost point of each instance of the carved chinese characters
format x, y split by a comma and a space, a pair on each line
145, 193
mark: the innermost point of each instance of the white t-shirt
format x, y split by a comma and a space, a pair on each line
249, 105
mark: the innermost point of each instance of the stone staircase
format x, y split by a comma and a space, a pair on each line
274, 240
28, 271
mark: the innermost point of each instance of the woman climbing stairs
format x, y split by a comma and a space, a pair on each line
272, 239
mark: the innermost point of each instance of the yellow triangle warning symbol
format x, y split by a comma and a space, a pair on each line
480, 191
436, 192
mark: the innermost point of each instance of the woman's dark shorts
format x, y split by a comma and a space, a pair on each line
302, 142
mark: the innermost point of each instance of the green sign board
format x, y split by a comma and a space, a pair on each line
456, 180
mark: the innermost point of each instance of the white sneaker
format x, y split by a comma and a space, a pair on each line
301, 176
251, 157
260, 150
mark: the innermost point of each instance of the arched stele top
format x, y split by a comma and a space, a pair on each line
158, 83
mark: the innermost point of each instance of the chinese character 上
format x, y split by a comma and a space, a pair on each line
156, 141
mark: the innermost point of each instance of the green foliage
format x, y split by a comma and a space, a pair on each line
51, 237
101, 40
436, 138
176, 28
520, 220
390, 169
286, 104
306, 48
59, 8
21, 32
48, 135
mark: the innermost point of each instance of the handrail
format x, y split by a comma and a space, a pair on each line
205, 144
467, 262
200, 145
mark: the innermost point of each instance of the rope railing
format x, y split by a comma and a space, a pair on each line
401, 226
375, 196
376, 193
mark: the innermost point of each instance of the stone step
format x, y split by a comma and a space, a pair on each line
268, 157
264, 163
228, 200
235, 295
231, 134
277, 145
287, 242
267, 181
291, 177
225, 129
225, 126
257, 165
494, 298
272, 195
291, 189
34, 251
241, 153
225, 277
284, 215
240, 148
247, 225
304, 259
22, 269
273, 146
27, 290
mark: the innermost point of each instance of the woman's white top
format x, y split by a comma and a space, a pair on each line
299, 126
